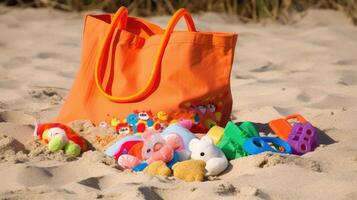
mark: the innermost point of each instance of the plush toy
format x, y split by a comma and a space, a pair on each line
41, 133
204, 149
57, 140
190, 170
158, 168
155, 147
181, 129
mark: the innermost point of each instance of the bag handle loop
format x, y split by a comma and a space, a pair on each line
119, 20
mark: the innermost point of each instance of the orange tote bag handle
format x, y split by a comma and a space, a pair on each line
119, 20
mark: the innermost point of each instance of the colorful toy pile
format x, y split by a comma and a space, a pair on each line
168, 150
239, 141
302, 136
160, 145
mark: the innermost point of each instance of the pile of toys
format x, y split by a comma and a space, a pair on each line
177, 148
238, 141
173, 148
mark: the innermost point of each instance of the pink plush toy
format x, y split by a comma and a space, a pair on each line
155, 148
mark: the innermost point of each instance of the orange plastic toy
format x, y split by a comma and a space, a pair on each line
282, 127
131, 64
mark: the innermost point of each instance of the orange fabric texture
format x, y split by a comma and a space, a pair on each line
131, 64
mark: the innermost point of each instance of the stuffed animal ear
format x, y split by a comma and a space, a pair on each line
193, 143
207, 139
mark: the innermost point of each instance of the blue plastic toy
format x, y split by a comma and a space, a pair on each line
256, 145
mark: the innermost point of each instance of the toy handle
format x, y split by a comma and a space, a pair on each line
300, 118
120, 19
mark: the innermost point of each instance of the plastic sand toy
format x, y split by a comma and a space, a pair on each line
231, 142
282, 127
258, 145
303, 138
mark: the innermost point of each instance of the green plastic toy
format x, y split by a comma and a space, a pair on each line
233, 138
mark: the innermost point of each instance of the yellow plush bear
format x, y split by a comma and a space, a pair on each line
190, 170
158, 168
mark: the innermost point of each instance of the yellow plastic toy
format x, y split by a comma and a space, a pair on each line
216, 133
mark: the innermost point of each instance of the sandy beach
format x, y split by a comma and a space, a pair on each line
308, 67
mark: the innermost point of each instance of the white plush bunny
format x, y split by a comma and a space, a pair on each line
204, 149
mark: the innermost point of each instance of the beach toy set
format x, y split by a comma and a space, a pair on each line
177, 146
236, 141
175, 150
163, 152
150, 114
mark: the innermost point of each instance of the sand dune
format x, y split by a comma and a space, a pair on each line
308, 67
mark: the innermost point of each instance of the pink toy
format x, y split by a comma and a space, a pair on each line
128, 161
158, 148
155, 148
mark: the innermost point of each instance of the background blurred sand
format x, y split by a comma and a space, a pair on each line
309, 68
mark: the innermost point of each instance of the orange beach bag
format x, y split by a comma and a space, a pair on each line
131, 64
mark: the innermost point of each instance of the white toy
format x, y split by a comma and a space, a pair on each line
204, 149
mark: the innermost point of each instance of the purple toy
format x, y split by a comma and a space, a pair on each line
303, 138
